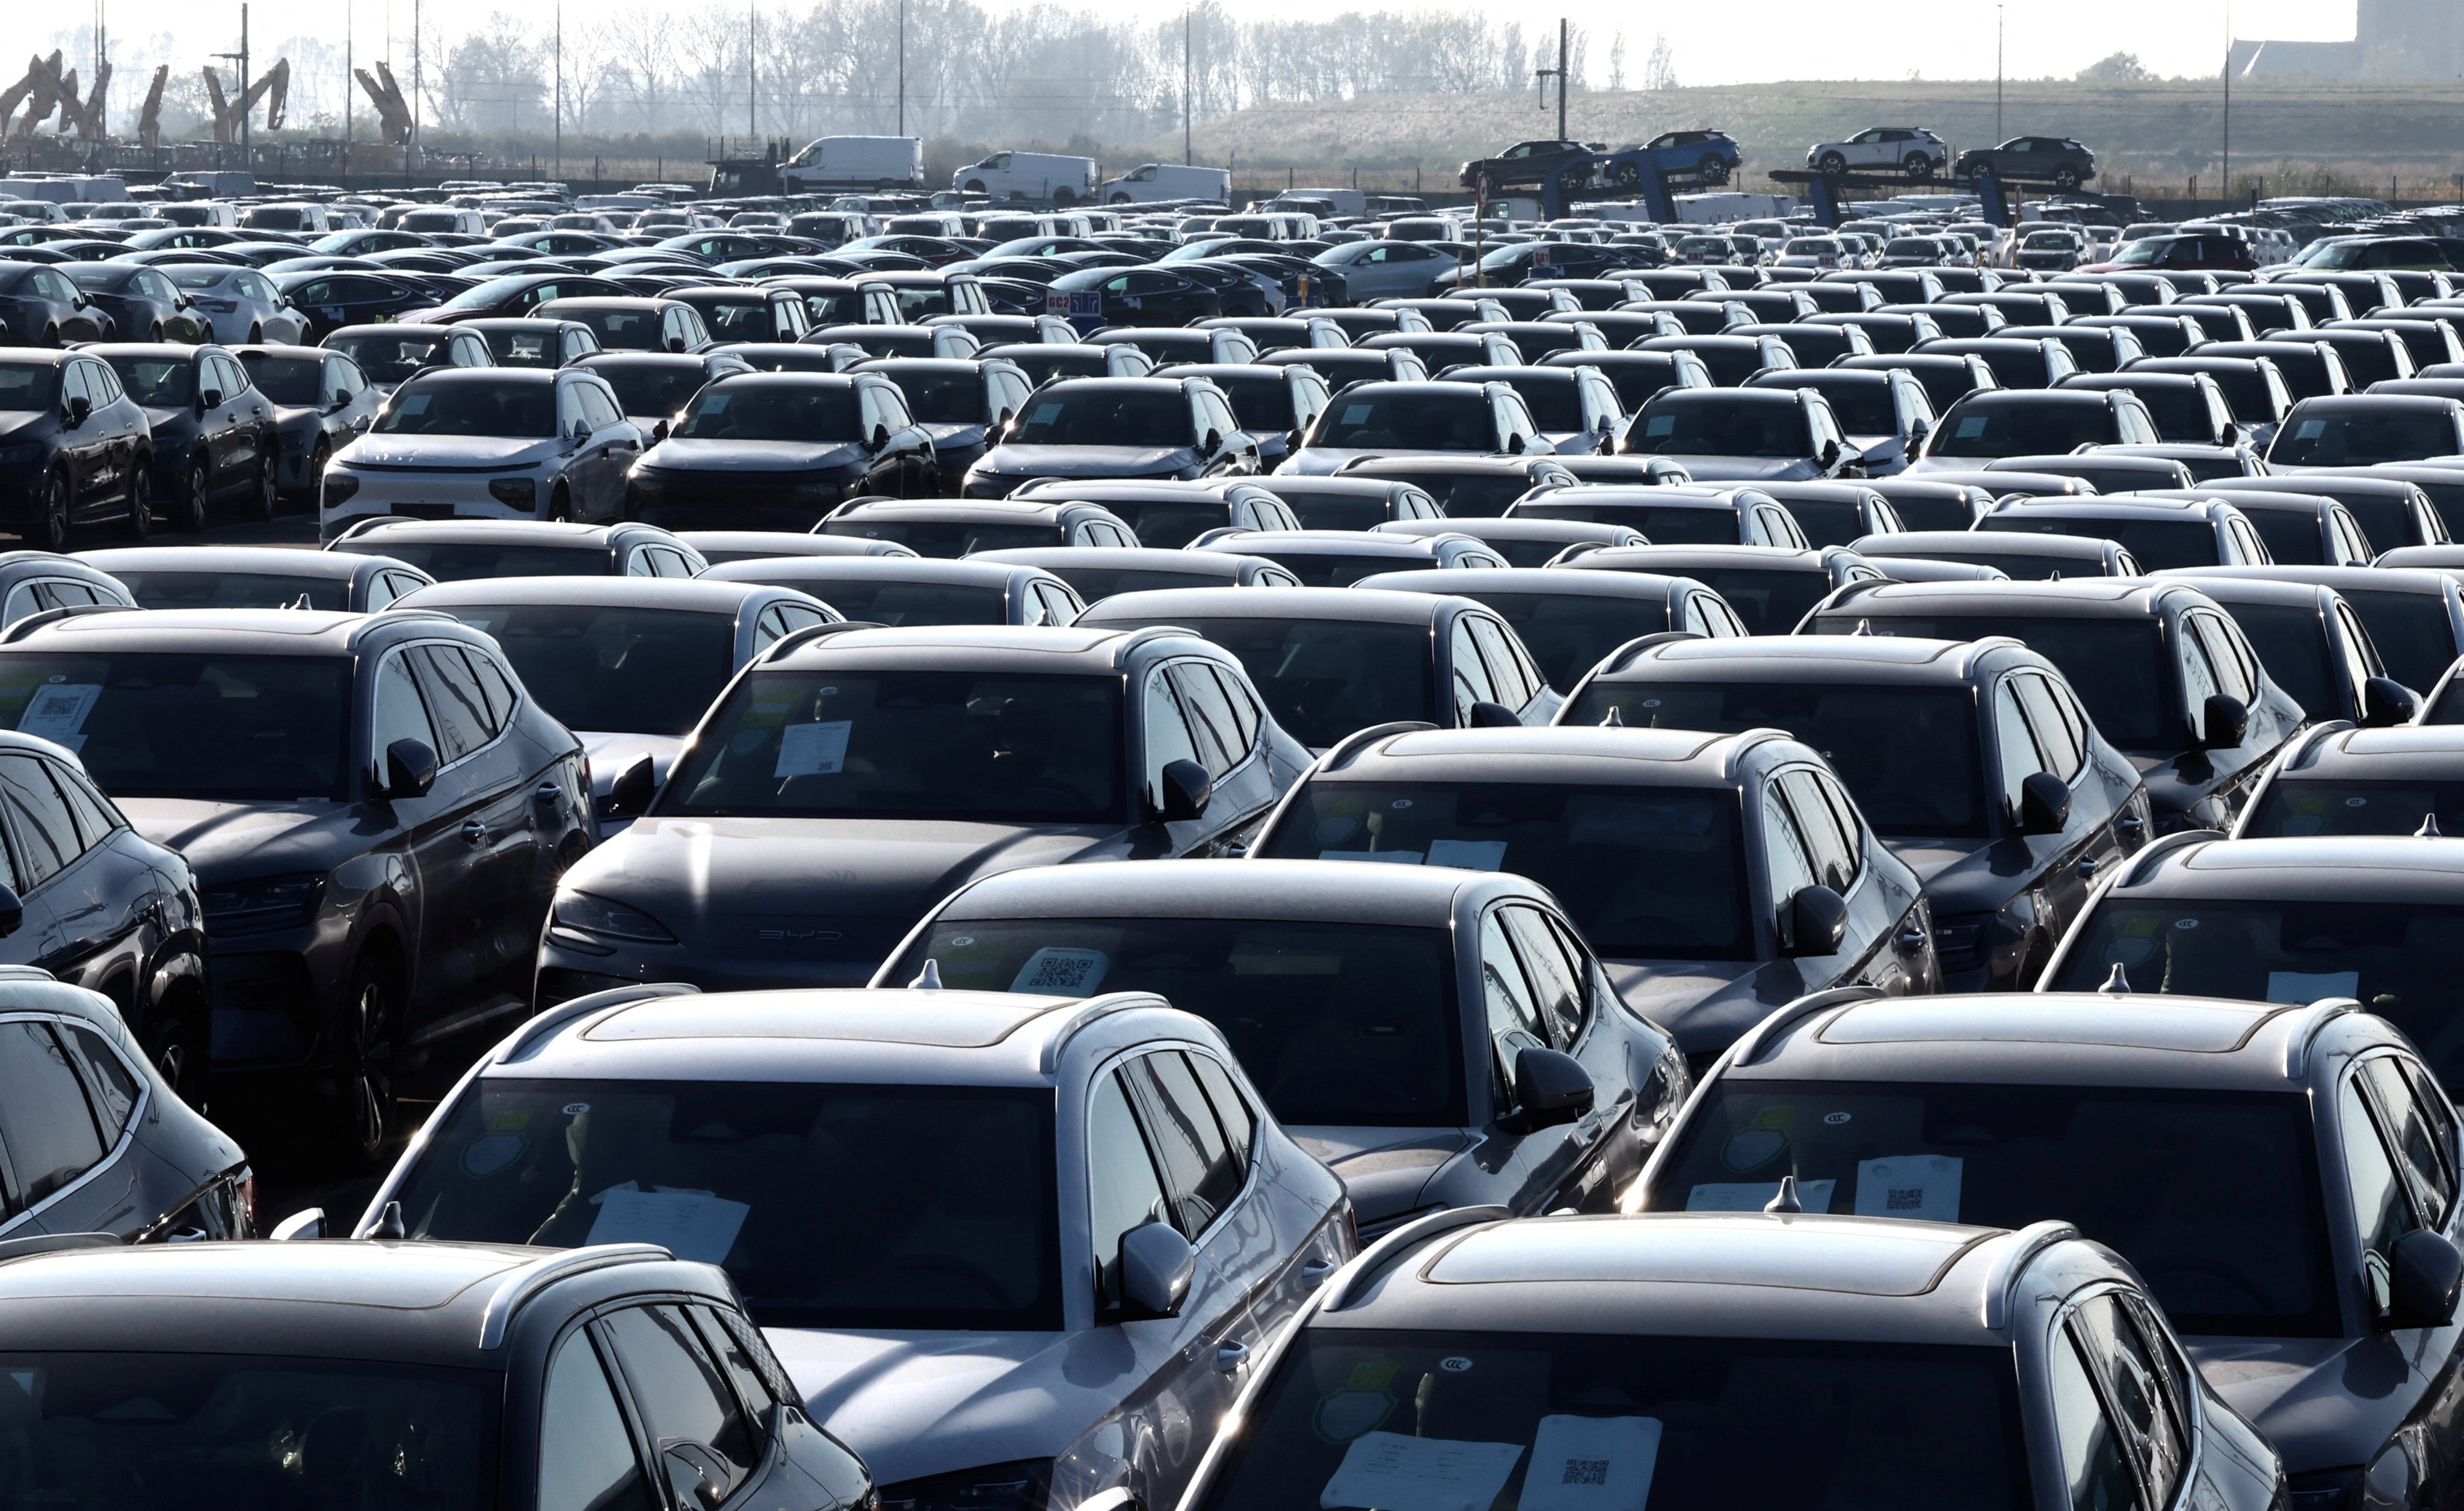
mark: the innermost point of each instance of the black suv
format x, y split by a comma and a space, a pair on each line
1974, 761
1525, 163
77, 448
2057, 160
448, 1375
375, 810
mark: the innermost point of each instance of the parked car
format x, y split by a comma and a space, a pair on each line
389, 356
239, 303
779, 450
1136, 427
536, 342
1912, 150
554, 445
322, 402
213, 434
140, 302
453, 550
80, 448
904, 592
332, 299
256, 576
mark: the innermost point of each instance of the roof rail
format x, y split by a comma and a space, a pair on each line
798, 639
517, 1288
2324, 1011
556, 1019
27, 1248
1087, 1014
2025, 1245
1619, 659
1749, 1044
362, 526
1745, 741
52, 615
2306, 748
2143, 866
1345, 751
1366, 1266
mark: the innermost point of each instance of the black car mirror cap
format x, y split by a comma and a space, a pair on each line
341, 396
1184, 789
1817, 923
410, 769
2223, 720
2044, 803
12, 912
1550, 1088
78, 407
659, 431
629, 795
1157, 1265
2386, 702
2425, 1276
675, 343
880, 437
208, 398
1488, 715
1212, 443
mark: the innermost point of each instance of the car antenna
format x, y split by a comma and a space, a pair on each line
2055, 576
2429, 829
1864, 626
388, 1223
1786, 1202
1613, 719
302, 601
928, 979
2117, 984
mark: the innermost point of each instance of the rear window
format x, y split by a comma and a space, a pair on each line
1990, 430
2361, 439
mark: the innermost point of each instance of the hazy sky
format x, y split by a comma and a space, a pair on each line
1760, 39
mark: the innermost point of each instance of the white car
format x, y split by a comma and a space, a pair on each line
489, 442
242, 306
1813, 251
1912, 150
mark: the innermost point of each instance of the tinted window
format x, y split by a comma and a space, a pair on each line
2411, 631
112, 1086
2119, 667
1671, 524
45, 825
631, 670
2351, 439
472, 407
175, 589
1725, 425
2156, 544
455, 702
1204, 1177
459, 560
1105, 416
2292, 646
1123, 1189
1569, 635
44, 1120
156, 381
1324, 678
28, 386
944, 539
2019, 428
1414, 420
587, 1461
393, 354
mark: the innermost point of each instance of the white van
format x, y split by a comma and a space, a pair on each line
298, 215
1338, 201
1717, 209
220, 214
1281, 226
836, 162
431, 220
1041, 176
1167, 181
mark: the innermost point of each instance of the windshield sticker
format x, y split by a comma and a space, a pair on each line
1472, 855
1391, 857
1057, 971
812, 749
1753, 1195
1394, 1473
483, 1157
58, 712
689, 1224
2305, 986
1355, 415
1335, 830
1923, 1187
1361, 1406
1589, 1463
1760, 1142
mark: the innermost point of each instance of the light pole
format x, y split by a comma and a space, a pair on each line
1997, 77
751, 36
2229, 52
902, 67
559, 90
1187, 155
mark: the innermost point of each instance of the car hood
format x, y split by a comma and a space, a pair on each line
1702, 1003
1749, 468
971, 434
227, 841
170, 417
1383, 1169
2323, 1402
1967, 876
1088, 461
914, 1404
1318, 461
14, 425
752, 456
448, 450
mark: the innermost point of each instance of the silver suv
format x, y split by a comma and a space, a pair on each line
1014, 1250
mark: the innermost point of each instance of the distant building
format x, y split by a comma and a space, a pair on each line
2392, 40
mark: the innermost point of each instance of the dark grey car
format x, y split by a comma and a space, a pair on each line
257, 577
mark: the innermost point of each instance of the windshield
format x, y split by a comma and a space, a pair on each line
1350, 1025
1722, 426
621, 329
1554, 405
1645, 873
895, 600
1460, 496
479, 406
1042, 367
120, 1432
1700, 523
956, 1183
2291, 536
1261, 404
737, 320
2119, 667
2220, 1213
1169, 524
2145, 250
389, 358
2024, 428
2360, 440
214, 727
226, 589
812, 414
948, 539
2303, 807
958, 745
1908, 755
652, 392
1569, 635
526, 348
1417, 420
25, 387
158, 383
1829, 521
1770, 602
197, 275
1322, 679
290, 380
613, 671
489, 295
1105, 416
460, 560
1671, 1423
943, 397
1862, 408
2155, 544
2411, 631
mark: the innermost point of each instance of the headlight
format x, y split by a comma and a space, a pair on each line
586, 915
522, 493
265, 902
1023, 1485
340, 486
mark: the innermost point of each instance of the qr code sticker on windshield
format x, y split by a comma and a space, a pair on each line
1587, 1472
1904, 1198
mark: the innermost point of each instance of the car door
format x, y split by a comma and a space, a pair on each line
491, 786
1841, 849
615, 443
1602, 1151
1226, 742
447, 865
1535, 1167
88, 905
228, 423
84, 442
692, 1430
1790, 865
2057, 887
51, 1181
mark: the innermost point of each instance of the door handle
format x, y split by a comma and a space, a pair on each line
1230, 1356
1909, 939
2089, 865
2131, 823
1313, 1274
548, 792
475, 832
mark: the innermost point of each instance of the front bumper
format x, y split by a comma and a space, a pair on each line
422, 495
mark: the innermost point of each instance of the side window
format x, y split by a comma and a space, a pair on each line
2421, 1143
1200, 1174
43, 817
598, 408
676, 1388
2380, 1210
111, 1085
1784, 851
1241, 702
1471, 683
568, 408
1555, 971
767, 628
1697, 622
44, 1118
587, 1459
399, 712
1852, 823
1232, 1111
2094, 1460
96, 816
1210, 716
1827, 842
1168, 735
2019, 754
2198, 678
2056, 738
1122, 1191
2233, 668
2137, 1403
455, 700
1518, 682
496, 684
1514, 1020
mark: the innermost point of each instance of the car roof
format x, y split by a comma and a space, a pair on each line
2346, 580
550, 533
2109, 506
1009, 509
2360, 868
270, 561
1164, 605
1225, 564
2002, 543
1002, 647
975, 570
1550, 582
2085, 598
2406, 752
1862, 659
699, 594
1314, 891
2270, 592
1689, 561
1568, 755
1328, 543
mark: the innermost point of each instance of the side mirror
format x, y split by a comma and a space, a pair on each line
410, 769
880, 437
12, 912
342, 399
581, 432
696, 1475
208, 398
1830, 452
2223, 720
1518, 443
308, 1222
1550, 1088
659, 430
1488, 715
1211, 444
1816, 923
2044, 803
629, 796
1187, 790
1156, 1264
80, 406
2425, 1273
2385, 701
1918, 430
675, 343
